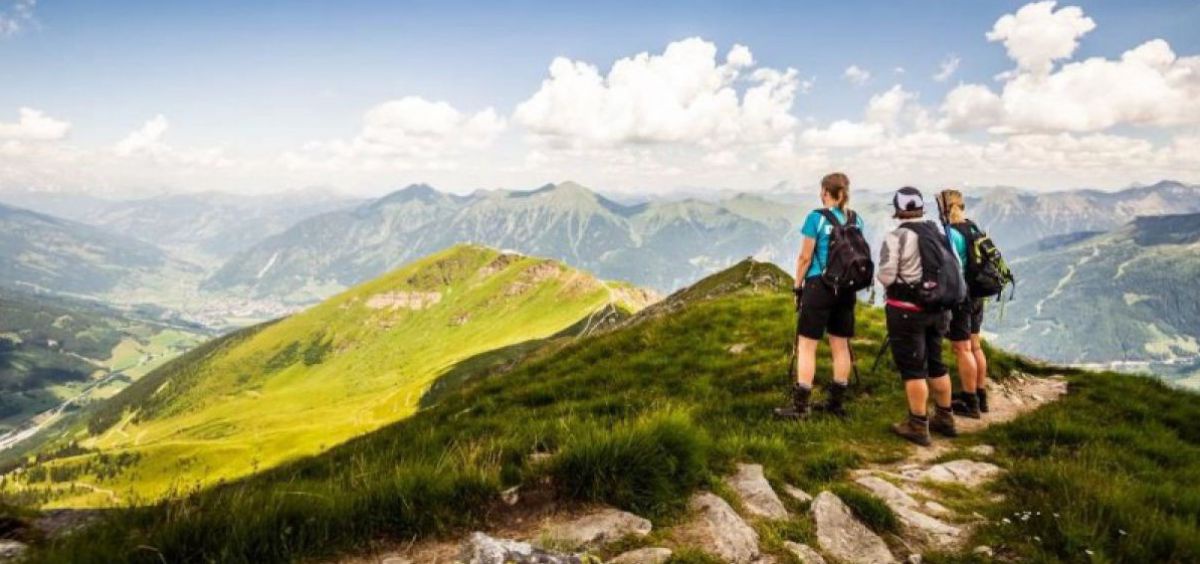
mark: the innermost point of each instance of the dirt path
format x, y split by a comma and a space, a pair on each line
913, 487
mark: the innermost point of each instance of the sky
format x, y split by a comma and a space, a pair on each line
135, 98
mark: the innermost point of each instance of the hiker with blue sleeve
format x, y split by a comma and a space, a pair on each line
833, 264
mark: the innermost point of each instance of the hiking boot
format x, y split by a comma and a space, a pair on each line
915, 429
981, 394
966, 405
834, 405
799, 409
943, 422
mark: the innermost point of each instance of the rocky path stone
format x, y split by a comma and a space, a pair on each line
756, 494
598, 528
804, 553
479, 548
932, 531
720, 531
643, 556
843, 537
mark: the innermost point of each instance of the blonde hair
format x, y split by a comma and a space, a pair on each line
955, 208
837, 185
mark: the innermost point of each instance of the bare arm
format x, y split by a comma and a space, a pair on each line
804, 259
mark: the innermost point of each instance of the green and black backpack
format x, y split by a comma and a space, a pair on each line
987, 273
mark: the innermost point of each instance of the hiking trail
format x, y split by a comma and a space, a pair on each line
547, 533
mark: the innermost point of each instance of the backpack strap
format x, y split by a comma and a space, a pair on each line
830, 217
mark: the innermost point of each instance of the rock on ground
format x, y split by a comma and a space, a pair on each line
719, 530
843, 537
756, 494
804, 553
928, 530
965, 472
643, 556
797, 494
11, 550
599, 528
482, 549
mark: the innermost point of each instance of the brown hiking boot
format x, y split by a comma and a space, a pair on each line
799, 408
835, 404
943, 422
915, 429
966, 404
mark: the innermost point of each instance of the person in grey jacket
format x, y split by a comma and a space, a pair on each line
915, 334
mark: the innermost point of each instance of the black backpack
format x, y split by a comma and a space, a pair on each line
942, 286
987, 272
849, 267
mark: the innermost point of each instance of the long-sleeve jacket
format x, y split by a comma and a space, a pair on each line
899, 258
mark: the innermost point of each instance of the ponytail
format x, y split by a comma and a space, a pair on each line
837, 185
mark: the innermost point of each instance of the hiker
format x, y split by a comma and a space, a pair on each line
833, 264
923, 280
986, 274
966, 320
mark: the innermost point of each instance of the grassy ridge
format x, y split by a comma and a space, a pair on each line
299, 386
637, 417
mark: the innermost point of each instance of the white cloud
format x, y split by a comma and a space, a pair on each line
33, 125
947, 68
16, 17
410, 133
886, 108
1037, 34
857, 75
681, 96
844, 133
1148, 86
146, 139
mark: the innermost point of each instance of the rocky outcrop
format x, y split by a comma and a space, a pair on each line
643, 556
963, 472
719, 530
599, 527
843, 537
482, 549
804, 553
404, 300
756, 494
930, 531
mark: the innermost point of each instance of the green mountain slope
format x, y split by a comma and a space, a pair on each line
1131, 295
54, 349
301, 385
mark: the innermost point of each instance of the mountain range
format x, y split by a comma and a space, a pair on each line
1130, 295
657, 244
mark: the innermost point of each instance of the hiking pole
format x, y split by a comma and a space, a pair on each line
797, 292
887, 342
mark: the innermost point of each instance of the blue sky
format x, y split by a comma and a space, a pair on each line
258, 79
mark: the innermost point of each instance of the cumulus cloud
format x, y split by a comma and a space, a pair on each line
146, 142
1148, 85
408, 133
683, 96
16, 17
145, 139
1037, 34
33, 125
856, 75
947, 68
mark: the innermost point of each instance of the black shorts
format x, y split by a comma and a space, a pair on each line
966, 320
917, 342
821, 310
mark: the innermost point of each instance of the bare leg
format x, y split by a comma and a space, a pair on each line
806, 360
967, 370
981, 364
840, 347
941, 390
918, 396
